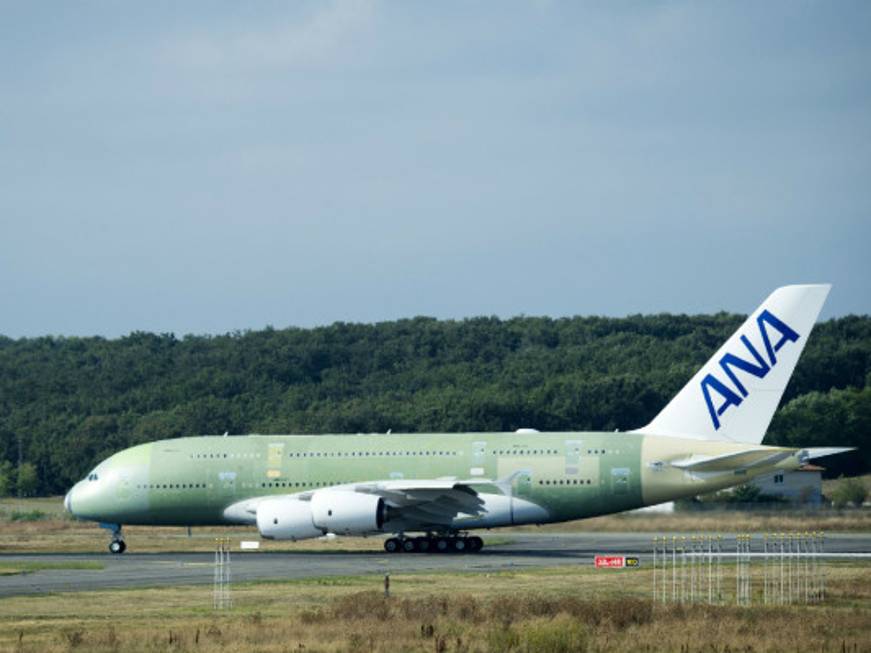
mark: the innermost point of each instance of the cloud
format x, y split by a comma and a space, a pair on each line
321, 38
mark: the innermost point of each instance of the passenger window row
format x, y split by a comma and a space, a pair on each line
524, 452
367, 454
567, 481
303, 484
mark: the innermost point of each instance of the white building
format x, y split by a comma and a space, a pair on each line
802, 486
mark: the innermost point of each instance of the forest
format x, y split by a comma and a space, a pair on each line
68, 402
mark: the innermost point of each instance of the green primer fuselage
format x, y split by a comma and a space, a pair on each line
192, 481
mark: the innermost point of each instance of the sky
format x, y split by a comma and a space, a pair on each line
204, 167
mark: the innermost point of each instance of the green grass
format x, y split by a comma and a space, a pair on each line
52, 506
14, 568
830, 484
28, 515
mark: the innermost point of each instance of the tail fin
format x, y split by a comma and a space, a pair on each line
734, 396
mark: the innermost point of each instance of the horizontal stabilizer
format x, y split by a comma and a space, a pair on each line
732, 461
819, 452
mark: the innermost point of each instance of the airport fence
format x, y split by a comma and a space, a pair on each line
771, 568
221, 597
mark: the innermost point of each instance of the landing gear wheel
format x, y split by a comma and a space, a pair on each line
442, 545
422, 544
116, 545
475, 544
408, 546
460, 545
392, 545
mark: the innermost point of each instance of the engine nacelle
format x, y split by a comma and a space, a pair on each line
286, 519
346, 513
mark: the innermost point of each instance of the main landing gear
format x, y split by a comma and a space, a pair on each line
117, 545
434, 544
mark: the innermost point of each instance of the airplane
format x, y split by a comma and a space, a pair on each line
442, 487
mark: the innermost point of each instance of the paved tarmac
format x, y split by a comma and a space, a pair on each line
525, 550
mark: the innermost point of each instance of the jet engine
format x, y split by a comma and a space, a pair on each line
343, 512
286, 519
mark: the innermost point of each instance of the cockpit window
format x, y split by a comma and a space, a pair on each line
92, 476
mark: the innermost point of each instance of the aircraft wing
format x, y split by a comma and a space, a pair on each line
415, 502
426, 502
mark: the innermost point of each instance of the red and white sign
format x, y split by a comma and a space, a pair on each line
615, 562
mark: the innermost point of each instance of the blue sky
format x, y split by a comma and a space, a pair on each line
203, 167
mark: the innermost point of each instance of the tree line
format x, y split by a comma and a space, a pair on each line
66, 403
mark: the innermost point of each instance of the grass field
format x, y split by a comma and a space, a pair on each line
10, 568
549, 610
41, 526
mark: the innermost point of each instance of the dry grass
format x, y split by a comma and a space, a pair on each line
829, 521
71, 536
68, 536
565, 609
58, 533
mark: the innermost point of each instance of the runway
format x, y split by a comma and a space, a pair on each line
525, 550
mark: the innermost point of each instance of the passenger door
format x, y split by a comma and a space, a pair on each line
479, 450
573, 457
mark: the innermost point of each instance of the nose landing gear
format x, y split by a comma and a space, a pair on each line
117, 545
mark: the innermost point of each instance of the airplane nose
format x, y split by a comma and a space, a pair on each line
68, 502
